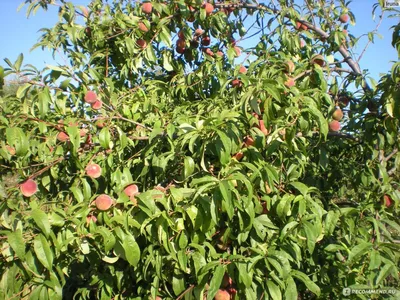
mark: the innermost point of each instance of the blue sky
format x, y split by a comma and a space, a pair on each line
18, 34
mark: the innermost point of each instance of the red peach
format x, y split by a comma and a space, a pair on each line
206, 41
237, 51
236, 83
238, 155
93, 170
344, 18
103, 202
62, 137
83, 132
28, 188
289, 66
180, 43
90, 97
334, 125
180, 50
181, 35
141, 43
198, 32
249, 141
100, 124
97, 105
344, 100
243, 70
131, 190
147, 8
337, 115
208, 51
261, 125
387, 201
290, 82
222, 295
143, 27
10, 150
209, 8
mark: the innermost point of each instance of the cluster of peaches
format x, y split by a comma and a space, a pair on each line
182, 45
103, 202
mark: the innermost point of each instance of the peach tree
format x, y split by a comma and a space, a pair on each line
192, 150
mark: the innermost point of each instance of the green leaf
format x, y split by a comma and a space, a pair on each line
178, 284
358, 251
375, 260
17, 243
307, 281
18, 62
17, 138
216, 281
43, 251
270, 86
291, 289
385, 272
274, 290
330, 222
301, 187
266, 221
44, 101
104, 138
110, 260
22, 90
226, 193
189, 166
42, 221
311, 235
132, 250
334, 248
244, 275
287, 228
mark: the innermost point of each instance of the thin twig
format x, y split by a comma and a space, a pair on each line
391, 154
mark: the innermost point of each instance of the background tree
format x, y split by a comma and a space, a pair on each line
153, 165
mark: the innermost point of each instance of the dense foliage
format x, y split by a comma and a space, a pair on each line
167, 158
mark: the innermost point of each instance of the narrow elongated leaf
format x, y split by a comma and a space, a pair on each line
274, 290
43, 251
385, 272
358, 251
17, 243
42, 221
132, 250
291, 289
216, 281
307, 281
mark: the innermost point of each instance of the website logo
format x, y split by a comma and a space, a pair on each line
392, 3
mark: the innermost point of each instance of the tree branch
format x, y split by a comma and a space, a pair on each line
343, 51
391, 154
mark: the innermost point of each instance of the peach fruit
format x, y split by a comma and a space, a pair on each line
103, 202
147, 8
334, 125
28, 188
97, 105
62, 137
90, 97
337, 115
93, 170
